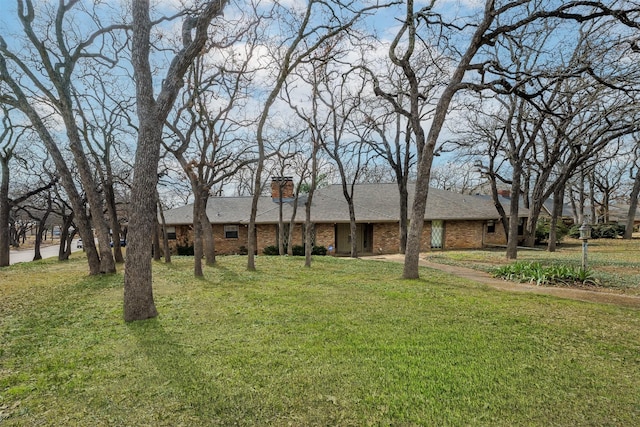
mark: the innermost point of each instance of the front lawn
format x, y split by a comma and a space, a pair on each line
613, 263
346, 342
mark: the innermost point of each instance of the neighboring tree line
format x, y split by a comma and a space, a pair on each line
121, 109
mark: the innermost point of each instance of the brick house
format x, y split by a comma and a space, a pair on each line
452, 220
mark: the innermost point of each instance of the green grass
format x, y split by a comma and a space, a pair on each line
614, 263
346, 342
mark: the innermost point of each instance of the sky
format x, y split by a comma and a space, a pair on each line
386, 24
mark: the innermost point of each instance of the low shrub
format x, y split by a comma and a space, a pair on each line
297, 250
599, 231
544, 227
534, 272
271, 250
184, 250
319, 250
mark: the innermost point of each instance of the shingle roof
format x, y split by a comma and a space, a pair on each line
373, 203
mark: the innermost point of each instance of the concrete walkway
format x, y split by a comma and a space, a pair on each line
477, 276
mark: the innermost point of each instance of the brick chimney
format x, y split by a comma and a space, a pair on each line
505, 193
282, 184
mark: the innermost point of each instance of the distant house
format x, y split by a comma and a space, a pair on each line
452, 220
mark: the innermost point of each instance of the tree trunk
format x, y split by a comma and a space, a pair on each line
633, 205
138, 290
514, 220
416, 223
208, 237
157, 253
404, 214
198, 249
37, 254
41, 229
115, 225
292, 225
4, 213
165, 238
307, 208
281, 248
66, 237
558, 204
353, 229
107, 263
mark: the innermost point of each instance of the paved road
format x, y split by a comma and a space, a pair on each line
26, 255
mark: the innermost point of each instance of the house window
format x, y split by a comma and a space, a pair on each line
171, 233
230, 231
437, 234
491, 226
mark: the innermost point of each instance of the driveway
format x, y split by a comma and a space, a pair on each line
26, 255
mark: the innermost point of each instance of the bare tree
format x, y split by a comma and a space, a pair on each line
308, 32
634, 173
495, 23
41, 77
104, 120
8, 142
334, 119
152, 113
206, 132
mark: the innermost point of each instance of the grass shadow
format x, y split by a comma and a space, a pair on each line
175, 367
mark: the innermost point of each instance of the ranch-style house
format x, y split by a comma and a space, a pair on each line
452, 220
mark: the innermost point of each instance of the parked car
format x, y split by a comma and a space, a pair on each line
123, 243
79, 244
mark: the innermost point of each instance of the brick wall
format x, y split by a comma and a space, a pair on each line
325, 235
463, 234
498, 237
386, 239
230, 246
184, 237
457, 235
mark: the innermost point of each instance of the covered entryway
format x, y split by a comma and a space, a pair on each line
364, 239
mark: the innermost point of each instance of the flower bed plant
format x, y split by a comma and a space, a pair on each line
553, 275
